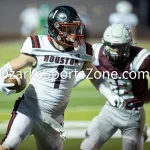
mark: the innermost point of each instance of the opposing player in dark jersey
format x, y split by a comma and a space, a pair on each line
54, 60
124, 68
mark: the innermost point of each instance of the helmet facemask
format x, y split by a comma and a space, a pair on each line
117, 53
117, 40
70, 34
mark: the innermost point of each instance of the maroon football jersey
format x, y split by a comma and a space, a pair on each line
127, 82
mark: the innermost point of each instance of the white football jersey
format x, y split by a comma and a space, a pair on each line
53, 75
31, 14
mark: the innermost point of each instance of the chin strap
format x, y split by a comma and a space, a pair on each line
50, 32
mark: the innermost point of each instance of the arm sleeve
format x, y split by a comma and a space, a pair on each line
102, 86
80, 77
96, 50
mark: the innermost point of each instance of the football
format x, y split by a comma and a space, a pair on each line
18, 79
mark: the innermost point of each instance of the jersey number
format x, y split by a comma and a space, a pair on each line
121, 87
57, 81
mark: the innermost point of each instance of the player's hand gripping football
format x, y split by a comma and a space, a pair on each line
117, 101
4, 87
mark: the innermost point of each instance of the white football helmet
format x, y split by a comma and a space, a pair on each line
124, 7
117, 39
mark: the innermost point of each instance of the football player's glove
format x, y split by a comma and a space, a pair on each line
4, 87
117, 101
102, 86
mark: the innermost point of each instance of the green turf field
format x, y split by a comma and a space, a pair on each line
85, 103
74, 144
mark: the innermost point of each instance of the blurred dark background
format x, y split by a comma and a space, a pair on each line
97, 10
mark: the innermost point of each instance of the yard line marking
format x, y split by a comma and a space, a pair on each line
84, 108
75, 129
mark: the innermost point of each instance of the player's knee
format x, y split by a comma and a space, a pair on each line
3, 148
130, 144
88, 144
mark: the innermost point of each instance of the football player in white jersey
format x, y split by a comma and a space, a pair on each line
28, 28
125, 16
54, 60
121, 63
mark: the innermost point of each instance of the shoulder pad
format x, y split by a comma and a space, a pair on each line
138, 60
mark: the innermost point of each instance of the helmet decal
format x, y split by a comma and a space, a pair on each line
55, 13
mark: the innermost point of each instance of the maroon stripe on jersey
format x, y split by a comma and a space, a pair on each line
49, 38
88, 49
35, 42
14, 114
38, 42
33, 45
101, 51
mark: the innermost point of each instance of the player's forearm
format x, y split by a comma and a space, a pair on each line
91, 71
9, 67
105, 89
22, 62
17, 64
102, 86
80, 77
97, 80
